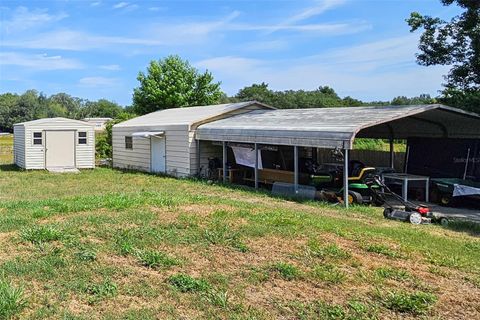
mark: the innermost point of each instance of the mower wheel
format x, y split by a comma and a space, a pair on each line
354, 197
444, 221
415, 218
387, 213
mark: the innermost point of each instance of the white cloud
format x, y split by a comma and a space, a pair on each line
98, 82
327, 29
95, 4
266, 45
155, 9
369, 71
110, 67
23, 19
75, 40
120, 5
125, 6
321, 7
38, 61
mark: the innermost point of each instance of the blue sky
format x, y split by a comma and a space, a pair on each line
95, 49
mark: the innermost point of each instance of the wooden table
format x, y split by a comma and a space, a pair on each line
404, 178
232, 173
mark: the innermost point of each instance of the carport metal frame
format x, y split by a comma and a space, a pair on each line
337, 128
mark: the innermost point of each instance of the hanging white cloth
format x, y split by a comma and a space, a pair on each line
246, 157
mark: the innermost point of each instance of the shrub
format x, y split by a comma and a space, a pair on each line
287, 271
186, 283
40, 234
11, 300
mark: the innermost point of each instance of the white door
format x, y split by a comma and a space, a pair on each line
157, 149
60, 149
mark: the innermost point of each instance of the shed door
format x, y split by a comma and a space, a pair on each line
157, 147
60, 149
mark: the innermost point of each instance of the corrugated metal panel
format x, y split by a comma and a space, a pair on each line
336, 127
58, 122
184, 116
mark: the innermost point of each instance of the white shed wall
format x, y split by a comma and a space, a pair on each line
19, 146
34, 155
138, 158
181, 145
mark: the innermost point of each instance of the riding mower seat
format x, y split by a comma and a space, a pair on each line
358, 171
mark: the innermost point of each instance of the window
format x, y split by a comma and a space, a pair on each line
128, 143
82, 137
37, 138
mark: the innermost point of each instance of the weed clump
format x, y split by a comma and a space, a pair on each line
40, 234
12, 301
286, 270
186, 283
328, 273
155, 259
415, 303
102, 290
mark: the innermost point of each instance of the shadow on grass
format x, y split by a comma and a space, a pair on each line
9, 167
470, 227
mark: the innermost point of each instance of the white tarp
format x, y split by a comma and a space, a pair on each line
246, 157
147, 134
461, 190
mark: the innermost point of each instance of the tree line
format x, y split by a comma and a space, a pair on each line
31, 105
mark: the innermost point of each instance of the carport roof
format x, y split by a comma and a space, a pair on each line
338, 127
186, 116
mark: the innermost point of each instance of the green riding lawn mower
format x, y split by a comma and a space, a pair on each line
328, 179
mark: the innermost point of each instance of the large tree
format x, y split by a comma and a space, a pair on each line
172, 83
455, 43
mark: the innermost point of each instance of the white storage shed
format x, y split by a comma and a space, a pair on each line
164, 141
54, 143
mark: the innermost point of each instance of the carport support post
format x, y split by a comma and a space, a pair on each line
224, 166
295, 170
392, 154
198, 158
345, 177
256, 166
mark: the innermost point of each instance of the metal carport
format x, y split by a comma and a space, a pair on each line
338, 127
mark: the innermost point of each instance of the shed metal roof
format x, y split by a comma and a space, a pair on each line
337, 127
56, 120
185, 116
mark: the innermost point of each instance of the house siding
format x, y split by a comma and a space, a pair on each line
180, 145
138, 158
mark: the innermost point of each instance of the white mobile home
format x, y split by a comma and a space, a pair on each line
164, 141
54, 143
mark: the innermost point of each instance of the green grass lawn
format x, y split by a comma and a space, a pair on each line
106, 244
6, 149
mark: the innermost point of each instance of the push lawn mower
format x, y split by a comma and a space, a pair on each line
408, 211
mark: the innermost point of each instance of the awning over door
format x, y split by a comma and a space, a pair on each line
148, 134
